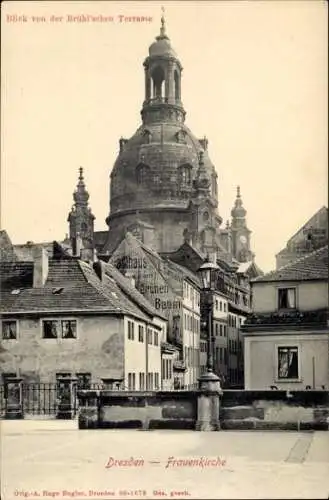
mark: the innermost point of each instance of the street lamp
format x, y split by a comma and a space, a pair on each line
209, 273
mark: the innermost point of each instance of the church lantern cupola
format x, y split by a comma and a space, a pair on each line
163, 73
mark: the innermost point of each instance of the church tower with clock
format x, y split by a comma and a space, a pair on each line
240, 232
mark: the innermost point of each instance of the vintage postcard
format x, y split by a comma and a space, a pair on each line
164, 250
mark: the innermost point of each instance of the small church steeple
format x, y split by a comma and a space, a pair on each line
81, 219
238, 211
240, 232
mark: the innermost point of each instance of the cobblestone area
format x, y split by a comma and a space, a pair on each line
53, 459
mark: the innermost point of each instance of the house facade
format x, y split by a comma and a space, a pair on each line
63, 316
286, 337
174, 292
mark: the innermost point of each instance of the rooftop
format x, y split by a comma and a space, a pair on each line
71, 285
313, 266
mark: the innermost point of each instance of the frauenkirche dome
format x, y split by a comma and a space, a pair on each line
163, 176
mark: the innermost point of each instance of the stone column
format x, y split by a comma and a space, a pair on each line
88, 409
209, 403
67, 397
14, 398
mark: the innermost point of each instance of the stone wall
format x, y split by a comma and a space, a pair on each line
139, 410
250, 410
295, 410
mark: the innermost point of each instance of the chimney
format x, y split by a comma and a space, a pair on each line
40, 269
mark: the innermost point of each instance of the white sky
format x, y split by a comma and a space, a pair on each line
254, 82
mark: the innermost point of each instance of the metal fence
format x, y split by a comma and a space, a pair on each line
41, 398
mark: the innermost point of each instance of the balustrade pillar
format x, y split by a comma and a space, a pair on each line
14, 398
67, 397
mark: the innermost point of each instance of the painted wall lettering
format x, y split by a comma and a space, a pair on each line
127, 262
153, 289
167, 304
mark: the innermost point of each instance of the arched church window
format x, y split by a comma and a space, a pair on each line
214, 186
158, 79
185, 175
142, 174
205, 216
177, 85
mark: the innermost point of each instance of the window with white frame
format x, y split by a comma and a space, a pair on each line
131, 332
149, 336
141, 381
287, 298
150, 381
156, 381
50, 329
65, 329
9, 329
156, 338
140, 333
131, 381
288, 362
69, 329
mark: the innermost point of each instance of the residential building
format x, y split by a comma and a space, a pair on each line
175, 292
287, 334
231, 306
62, 315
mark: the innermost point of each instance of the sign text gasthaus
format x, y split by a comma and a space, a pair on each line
127, 262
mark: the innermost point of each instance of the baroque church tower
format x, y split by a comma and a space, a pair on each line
163, 185
81, 219
240, 232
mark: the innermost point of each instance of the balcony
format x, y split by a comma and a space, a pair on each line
318, 319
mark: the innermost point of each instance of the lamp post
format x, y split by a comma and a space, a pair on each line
209, 382
209, 273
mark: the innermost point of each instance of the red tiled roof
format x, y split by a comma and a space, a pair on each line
313, 266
